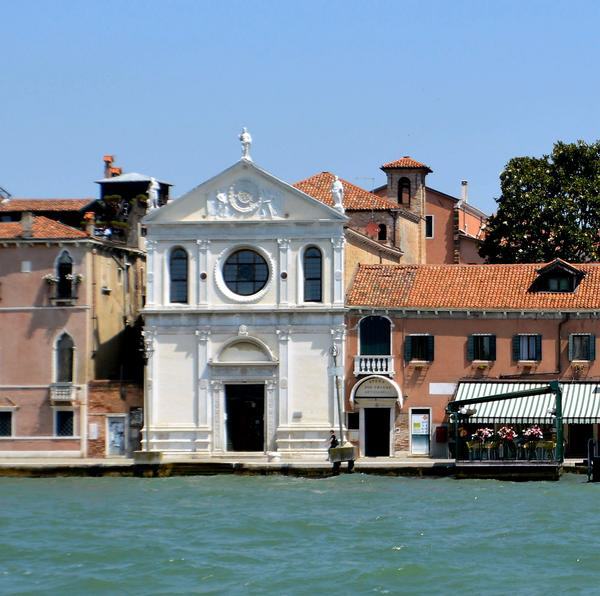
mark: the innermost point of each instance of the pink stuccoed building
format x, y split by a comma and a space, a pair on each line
420, 336
69, 300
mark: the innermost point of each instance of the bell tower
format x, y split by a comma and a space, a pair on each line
406, 186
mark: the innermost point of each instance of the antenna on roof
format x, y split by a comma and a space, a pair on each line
4, 195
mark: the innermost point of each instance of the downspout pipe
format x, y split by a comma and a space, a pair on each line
564, 319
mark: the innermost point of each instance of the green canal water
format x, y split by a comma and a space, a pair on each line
276, 535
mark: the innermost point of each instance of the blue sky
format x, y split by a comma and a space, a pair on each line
342, 86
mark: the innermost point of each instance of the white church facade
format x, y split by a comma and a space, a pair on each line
245, 300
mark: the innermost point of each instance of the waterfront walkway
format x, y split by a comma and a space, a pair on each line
392, 466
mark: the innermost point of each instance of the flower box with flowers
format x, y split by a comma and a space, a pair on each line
532, 435
507, 436
482, 434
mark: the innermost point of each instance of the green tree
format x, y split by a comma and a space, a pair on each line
549, 207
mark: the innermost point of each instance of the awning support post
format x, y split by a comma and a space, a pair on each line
555, 386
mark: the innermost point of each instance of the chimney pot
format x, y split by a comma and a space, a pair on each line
464, 191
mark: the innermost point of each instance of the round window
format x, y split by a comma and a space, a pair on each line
245, 272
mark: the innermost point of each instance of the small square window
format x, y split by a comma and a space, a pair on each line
429, 226
5, 424
64, 423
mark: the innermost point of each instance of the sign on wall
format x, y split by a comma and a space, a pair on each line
376, 388
420, 424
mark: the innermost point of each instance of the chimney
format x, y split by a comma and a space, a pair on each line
464, 191
90, 223
27, 224
108, 162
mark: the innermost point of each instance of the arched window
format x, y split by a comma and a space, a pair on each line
404, 191
178, 272
64, 358
382, 232
375, 336
64, 273
313, 275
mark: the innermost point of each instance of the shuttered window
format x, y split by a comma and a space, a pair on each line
419, 348
527, 347
481, 347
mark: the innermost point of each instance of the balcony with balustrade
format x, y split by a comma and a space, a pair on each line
374, 365
62, 393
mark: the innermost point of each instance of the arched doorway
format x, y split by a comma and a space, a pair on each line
246, 368
376, 397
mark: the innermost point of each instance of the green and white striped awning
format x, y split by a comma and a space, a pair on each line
581, 402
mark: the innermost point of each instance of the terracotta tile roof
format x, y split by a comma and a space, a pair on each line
476, 287
405, 162
355, 198
42, 229
45, 204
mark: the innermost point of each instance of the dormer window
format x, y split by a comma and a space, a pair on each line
560, 283
557, 276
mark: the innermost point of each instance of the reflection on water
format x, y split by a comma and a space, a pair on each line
276, 535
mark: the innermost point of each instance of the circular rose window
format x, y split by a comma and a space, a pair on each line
245, 272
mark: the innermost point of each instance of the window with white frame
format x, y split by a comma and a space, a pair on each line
64, 423
429, 226
6, 423
65, 351
418, 348
582, 346
313, 273
481, 347
178, 274
527, 346
64, 274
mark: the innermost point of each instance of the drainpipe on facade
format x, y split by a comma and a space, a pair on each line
564, 319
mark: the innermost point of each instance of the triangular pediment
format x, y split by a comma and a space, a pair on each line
243, 192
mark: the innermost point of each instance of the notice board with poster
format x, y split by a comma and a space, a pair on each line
419, 424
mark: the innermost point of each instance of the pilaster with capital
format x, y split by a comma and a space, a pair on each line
338, 334
218, 417
337, 273
202, 271
150, 398
284, 250
150, 282
284, 336
271, 431
202, 356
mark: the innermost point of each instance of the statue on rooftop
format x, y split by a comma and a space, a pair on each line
153, 189
337, 193
246, 140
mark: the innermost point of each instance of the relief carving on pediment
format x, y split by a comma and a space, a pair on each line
244, 198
